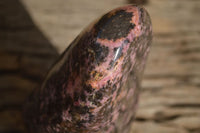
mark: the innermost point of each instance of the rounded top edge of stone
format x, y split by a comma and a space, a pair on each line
124, 22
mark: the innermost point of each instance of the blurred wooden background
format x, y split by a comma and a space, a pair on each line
33, 33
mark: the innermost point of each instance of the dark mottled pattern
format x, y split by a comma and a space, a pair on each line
115, 26
94, 86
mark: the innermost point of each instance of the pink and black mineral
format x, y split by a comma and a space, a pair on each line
94, 85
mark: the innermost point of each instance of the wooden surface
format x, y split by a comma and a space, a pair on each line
32, 31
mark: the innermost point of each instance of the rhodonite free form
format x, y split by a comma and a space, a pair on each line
94, 85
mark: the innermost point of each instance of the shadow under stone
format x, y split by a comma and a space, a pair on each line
25, 57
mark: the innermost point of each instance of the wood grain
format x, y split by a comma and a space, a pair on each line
32, 31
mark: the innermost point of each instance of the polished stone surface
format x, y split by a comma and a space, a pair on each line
86, 91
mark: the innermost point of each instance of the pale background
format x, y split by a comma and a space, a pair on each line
34, 32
